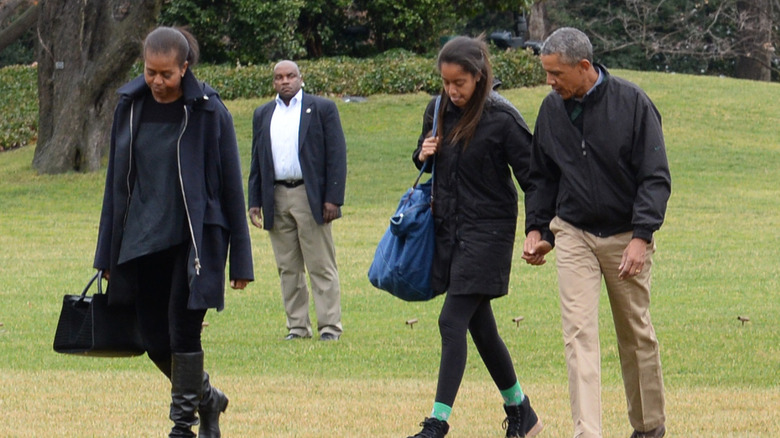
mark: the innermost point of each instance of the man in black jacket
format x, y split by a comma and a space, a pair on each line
601, 183
296, 189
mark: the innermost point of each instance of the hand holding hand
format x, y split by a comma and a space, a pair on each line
535, 248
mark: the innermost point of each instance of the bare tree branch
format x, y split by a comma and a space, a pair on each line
10, 8
20, 25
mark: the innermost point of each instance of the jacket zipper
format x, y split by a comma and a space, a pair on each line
129, 168
184, 195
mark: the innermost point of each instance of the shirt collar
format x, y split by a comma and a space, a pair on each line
598, 81
294, 101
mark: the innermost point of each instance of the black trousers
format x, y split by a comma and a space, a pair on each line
472, 313
166, 324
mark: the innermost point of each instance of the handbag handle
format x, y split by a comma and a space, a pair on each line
99, 277
433, 163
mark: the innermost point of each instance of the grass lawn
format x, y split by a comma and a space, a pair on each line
717, 258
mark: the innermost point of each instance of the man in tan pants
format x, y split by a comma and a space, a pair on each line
600, 184
296, 189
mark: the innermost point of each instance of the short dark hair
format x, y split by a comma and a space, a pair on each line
166, 39
571, 44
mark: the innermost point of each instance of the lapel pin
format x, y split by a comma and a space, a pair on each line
308, 110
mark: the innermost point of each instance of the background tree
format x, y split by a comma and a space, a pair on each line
16, 17
419, 26
754, 42
86, 50
17, 20
538, 21
709, 36
325, 29
255, 31
241, 31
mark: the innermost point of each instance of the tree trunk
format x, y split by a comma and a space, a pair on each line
85, 51
312, 38
755, 37
538, 24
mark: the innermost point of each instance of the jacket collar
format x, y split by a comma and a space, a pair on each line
599, 91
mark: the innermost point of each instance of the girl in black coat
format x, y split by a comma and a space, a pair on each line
480, 136
173, 209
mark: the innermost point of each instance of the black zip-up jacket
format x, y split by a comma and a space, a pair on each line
612, 177
475, 200
212, 189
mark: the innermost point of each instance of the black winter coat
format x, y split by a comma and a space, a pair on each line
475, 200
210, 175
613, 177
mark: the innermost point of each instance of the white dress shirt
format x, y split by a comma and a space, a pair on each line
285, 123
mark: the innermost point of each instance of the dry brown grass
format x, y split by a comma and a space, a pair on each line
128, 404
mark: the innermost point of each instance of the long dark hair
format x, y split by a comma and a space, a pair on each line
178, 40
471, 54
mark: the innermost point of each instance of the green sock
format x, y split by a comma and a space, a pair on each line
441, 411
513, 396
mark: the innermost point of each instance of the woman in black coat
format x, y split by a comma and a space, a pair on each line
173, 209
480, 136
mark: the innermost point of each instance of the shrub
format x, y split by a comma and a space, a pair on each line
19, 106
394, 72
517, 69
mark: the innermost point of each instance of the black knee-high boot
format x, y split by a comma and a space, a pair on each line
214, 402
186, 392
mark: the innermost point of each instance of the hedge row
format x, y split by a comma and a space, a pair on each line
18, 107
394, 72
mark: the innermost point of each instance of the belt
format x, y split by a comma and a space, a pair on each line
289, 183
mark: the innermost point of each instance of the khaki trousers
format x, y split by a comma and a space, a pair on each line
583, 259
301, 244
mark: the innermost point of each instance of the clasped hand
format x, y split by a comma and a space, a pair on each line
535, 248
429, 147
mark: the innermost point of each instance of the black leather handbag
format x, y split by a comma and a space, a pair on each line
88, 326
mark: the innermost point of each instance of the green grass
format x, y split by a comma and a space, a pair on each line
717, 258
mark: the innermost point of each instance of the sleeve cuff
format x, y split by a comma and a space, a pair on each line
645, 234
548, 236
545, 233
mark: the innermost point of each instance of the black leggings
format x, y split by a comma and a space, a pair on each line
473, 313
167, 325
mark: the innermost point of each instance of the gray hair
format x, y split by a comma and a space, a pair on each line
570, 43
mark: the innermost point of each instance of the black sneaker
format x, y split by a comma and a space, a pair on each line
432, 428
521, 420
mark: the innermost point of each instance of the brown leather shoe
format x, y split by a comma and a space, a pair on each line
658, 432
